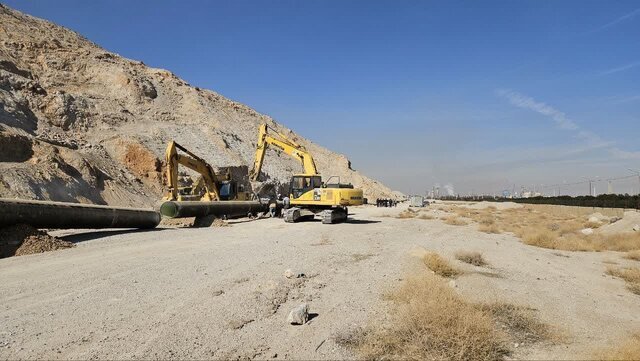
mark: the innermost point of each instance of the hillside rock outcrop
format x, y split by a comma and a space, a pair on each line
81, 124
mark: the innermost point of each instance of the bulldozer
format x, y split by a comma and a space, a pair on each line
209, 186
308, 194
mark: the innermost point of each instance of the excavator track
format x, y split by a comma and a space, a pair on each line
296, 214
336, 215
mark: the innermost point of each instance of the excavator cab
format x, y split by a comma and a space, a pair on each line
301, 184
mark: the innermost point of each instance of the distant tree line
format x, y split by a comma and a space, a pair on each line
603, 200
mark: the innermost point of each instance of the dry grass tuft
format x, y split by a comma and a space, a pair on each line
491, 228
454, 221
521, 323
631, 275
540, 238
634, 255
628, 350
474, 258
554, 227
430, 321
426, 216
406, 214
593, 225
440, 266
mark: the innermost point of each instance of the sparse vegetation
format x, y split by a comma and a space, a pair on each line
440, 266
474, 258
454, 221
627, 350
490, 228
593, 225
426, 216
406, 214
634, 255
430, 321
554, 227
630, 275
521, 322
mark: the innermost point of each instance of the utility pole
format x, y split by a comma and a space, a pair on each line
590, 185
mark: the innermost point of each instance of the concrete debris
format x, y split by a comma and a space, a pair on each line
299, 315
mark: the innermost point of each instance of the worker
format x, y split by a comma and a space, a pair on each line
272, 208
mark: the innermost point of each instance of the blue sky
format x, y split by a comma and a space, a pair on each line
481, 95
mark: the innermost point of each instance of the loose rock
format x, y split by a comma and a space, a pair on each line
299, 315
291, 274
587, 231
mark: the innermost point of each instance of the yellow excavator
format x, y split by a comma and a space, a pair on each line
309, 195
209, 186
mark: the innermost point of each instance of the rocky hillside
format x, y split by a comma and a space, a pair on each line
81, 124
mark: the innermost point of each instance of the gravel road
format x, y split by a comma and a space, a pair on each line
202, 293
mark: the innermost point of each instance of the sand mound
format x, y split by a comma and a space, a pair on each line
23, 239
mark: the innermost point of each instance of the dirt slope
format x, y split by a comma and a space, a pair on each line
79, 123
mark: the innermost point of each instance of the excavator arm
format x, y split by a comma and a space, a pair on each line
174, 159
284, 144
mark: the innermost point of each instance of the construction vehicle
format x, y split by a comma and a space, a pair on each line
308, 194
209, 186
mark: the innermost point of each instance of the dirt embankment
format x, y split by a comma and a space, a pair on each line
21, 239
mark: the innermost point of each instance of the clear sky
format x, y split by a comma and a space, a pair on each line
480, 95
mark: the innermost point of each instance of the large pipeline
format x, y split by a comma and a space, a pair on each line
43, 214
228, 209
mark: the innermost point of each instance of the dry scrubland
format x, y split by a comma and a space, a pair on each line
553, 227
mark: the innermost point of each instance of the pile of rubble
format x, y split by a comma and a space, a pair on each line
22, 239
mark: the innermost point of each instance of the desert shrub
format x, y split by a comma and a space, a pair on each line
454, 221
630, 275
429, 321
521, 322
440, 266
492, 228
634, 255
406, 214
627, 350
474, 258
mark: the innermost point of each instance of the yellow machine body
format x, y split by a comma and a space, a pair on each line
307, 190
209, 186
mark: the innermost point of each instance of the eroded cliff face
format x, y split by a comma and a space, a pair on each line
79, 123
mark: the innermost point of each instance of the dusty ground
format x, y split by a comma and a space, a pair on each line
220, 292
